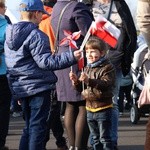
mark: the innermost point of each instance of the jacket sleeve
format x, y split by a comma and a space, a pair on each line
105, 79
83, 17
128, 24
40, 51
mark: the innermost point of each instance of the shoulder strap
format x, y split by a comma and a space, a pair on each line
110, 9
58, 26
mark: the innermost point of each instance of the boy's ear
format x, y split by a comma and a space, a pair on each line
102, 53
36, 14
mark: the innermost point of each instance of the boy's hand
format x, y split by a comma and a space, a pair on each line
84, 78
73, 77
77, 54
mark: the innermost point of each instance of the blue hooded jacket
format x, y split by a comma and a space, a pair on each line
3, 24
29, 61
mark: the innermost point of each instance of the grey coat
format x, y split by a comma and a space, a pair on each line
76, 17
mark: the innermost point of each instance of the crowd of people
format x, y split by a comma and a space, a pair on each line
41, 74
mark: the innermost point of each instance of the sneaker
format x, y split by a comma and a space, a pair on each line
17, 114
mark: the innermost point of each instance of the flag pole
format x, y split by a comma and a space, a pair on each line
71, 68
86, 37
83, 45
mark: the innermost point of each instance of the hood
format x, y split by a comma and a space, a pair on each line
3, 21
47, 9
17, 33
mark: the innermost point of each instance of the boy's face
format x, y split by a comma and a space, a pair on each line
93, 55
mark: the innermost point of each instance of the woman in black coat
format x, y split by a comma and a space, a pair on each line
76, 17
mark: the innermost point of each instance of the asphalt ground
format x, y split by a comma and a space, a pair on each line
131, 137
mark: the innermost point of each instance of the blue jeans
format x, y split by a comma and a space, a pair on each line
115, 111
5, 98
36, 111
100, 129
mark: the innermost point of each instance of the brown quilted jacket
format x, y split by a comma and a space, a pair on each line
101, 77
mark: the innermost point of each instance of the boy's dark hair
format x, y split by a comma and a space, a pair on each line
96, 43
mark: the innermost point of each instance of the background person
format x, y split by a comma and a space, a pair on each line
143, 22
5, 95
77, 17
125, 93
54, 122
121, 56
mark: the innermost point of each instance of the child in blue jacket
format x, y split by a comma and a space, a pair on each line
30, 67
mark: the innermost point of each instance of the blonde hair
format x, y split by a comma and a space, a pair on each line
27, 14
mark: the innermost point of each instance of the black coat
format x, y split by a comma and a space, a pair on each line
129, 43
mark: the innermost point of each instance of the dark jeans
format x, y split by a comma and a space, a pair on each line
5, 98
36, 110
100, 128
125, 91
54, 122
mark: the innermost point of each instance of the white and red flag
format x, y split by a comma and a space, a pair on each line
105, 30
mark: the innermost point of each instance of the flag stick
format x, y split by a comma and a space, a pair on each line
86, 38
82, 47
70, 50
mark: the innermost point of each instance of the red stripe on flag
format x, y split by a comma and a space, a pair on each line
81, 63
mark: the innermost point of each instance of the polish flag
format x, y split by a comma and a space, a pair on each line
105, 30
81, 62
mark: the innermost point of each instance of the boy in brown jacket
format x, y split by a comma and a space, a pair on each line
98, 79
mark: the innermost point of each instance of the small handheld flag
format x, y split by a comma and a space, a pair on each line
105, 30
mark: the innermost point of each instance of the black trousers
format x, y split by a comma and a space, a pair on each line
5, 98
54, 122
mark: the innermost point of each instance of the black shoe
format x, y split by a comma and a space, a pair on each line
62, 144
65, 147
4, 148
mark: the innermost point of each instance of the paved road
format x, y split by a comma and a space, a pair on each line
131, 137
